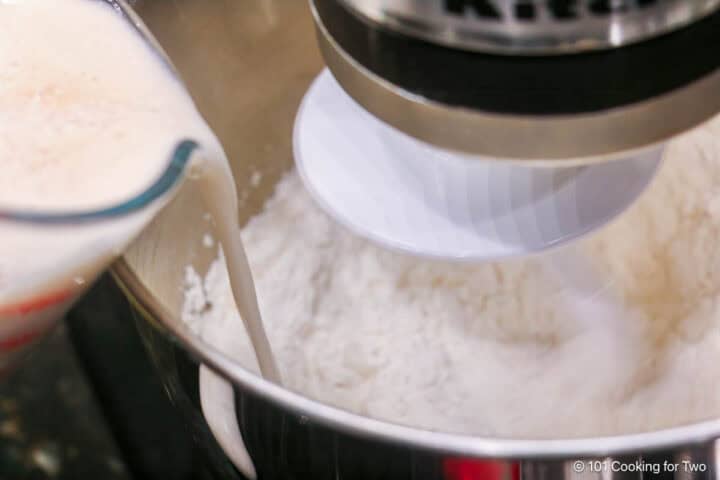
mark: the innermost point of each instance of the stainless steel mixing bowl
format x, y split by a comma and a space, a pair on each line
248, 63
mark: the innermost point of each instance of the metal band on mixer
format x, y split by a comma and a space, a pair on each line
532, 27
580, 109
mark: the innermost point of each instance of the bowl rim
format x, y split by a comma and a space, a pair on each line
354, 424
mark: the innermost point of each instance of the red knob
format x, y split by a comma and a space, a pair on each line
471, 469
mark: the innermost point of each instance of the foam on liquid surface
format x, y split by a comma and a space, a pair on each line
89, 113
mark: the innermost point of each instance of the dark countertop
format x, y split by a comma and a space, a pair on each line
50, 425
88, 405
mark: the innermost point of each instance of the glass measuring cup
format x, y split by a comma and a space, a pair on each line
49, 258
65, 252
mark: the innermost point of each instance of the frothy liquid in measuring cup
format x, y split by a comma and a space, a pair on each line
89, 117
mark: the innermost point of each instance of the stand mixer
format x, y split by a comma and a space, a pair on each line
473, 130
609, 89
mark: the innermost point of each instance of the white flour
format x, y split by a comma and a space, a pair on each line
491, 349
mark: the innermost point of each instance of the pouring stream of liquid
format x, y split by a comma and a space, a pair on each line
220, 197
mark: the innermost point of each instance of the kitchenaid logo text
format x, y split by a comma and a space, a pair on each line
528, 10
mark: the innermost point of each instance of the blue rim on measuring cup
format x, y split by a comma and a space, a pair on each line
167, 180
160, 187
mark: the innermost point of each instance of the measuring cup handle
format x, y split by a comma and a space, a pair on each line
217, 400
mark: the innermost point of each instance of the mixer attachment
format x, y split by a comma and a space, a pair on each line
412, 197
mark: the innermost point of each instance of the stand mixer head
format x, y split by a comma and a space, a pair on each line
474, 130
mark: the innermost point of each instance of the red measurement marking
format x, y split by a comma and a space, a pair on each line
463, 469
19, 341
35, 304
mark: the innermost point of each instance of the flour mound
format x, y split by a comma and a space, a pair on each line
492, 349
